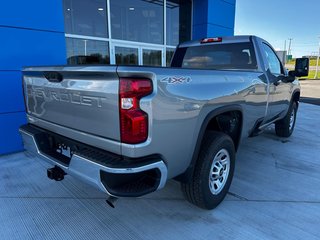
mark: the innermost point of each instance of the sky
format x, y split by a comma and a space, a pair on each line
278, 20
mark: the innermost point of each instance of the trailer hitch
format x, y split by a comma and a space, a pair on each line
56, 173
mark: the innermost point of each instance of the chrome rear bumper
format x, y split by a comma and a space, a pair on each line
110, 177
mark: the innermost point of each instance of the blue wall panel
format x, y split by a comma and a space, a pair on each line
221, 13
213, 18
34, 14
22, 47
10, 139
200, 12
200, 31
11, 99
32, 33
230, 1
218, 31
199, 19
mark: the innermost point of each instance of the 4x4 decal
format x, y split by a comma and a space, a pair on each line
176, 80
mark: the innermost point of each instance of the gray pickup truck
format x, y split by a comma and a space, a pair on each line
128, 129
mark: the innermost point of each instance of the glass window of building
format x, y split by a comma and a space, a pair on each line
169, 56
86, 17
178, 21
84, 51
129, 32
152, 57
137, 20
126, 56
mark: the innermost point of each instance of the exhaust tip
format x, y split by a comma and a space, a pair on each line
111, 201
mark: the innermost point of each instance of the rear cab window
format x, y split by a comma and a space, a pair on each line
228, 56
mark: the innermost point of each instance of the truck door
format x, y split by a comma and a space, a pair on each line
279, 90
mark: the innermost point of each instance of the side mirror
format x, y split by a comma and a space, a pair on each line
302, 67
291, 76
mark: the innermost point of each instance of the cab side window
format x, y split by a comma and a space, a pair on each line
273, 61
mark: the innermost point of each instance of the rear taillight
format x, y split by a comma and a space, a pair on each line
133, 121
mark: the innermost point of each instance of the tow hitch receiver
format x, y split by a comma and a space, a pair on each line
56, 173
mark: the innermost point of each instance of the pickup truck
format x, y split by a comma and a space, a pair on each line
128, 129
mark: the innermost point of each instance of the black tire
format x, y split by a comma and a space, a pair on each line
197, 191
283, 127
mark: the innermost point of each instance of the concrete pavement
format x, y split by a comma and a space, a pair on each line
275, 195
310, 91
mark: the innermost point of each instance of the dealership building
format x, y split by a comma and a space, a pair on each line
59, 32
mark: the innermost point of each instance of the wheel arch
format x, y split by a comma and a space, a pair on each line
296, 96
211, 116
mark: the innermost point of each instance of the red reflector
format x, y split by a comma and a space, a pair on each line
134, 126
211, 40
133, 121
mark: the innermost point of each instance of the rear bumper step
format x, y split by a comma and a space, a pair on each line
113, 174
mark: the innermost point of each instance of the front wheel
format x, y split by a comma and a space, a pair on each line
285, 126
213, 171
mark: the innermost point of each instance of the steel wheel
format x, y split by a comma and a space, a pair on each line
292, 119
213, 171
219, 171
285, 126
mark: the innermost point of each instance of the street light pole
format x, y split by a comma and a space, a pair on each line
289, 50
285, 57
316, 74
285, 45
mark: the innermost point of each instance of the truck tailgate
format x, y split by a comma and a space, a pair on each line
80, 98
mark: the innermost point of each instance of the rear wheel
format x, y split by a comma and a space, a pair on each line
285, 126
213, 171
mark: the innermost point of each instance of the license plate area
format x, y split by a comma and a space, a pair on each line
61, 149
64, 150
56, 147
